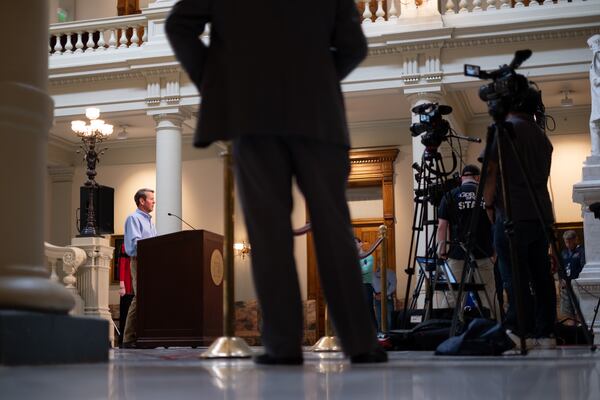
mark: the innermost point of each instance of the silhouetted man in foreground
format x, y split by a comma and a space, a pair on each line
269, 81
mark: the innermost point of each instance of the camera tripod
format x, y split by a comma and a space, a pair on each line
502, 133
432, 181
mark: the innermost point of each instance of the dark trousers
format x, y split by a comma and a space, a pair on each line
536, 281
369, 292
124, 303
265, 167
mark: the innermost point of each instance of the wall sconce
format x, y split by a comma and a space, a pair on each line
567, 101
241, 249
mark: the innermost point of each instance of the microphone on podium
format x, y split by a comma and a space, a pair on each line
181, 219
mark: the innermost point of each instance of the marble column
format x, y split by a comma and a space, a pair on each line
61, 218
26, 112
168, 172
586, 193
34, 325
415, 98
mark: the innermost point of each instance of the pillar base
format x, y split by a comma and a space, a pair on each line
587, 286
31, 338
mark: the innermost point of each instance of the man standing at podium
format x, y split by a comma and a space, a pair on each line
274, 89
138, 226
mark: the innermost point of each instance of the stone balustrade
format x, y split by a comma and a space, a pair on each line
383, 11
134, 31
104, 34
71, 258
475, 6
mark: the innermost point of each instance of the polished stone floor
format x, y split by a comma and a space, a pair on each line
173, 374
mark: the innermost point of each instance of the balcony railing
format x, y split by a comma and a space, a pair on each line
467, 6
116, 33
382, 11
126, 32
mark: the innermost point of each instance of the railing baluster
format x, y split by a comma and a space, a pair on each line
69, 44
134, 37
462, 6
505, 4
477, 6
380, 13
79, 44
519, 3
392, 12
123, 39
367, 13
112, 40
145, 35
58, 46
534, 3
101, 42
491, 5
450, 7
90, 45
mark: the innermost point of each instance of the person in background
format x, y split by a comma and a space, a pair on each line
366, 269
125, 290
138, 226
391, 295
573, 257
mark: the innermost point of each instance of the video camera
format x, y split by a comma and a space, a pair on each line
431, 122
507, 89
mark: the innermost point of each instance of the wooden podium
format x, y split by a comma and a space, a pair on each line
180, 289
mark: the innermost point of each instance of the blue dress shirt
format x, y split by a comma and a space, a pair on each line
138, 226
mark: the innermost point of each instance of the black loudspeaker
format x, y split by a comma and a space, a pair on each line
104, 208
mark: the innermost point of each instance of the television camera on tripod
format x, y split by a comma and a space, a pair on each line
515, 171
433, 180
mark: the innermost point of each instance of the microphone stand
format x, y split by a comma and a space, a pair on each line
181, 219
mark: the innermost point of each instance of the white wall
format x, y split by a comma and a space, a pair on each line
570, 151
92, 9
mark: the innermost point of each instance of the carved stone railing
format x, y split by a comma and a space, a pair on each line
474, 6
104, 34
384, 11
71, 259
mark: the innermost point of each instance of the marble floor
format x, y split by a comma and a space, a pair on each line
177, 373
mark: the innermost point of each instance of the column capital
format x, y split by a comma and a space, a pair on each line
174, 116
61, 174
431, 94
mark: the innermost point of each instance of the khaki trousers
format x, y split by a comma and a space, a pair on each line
130, 335
485, 275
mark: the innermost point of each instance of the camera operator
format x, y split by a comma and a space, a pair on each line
454, 214
531, 246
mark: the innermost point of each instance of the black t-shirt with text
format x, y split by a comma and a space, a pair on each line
457, 207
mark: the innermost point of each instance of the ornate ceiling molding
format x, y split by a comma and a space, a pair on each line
500, 38
521, 37
387, 49
114, 76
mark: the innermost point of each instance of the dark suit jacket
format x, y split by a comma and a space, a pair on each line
272, 67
